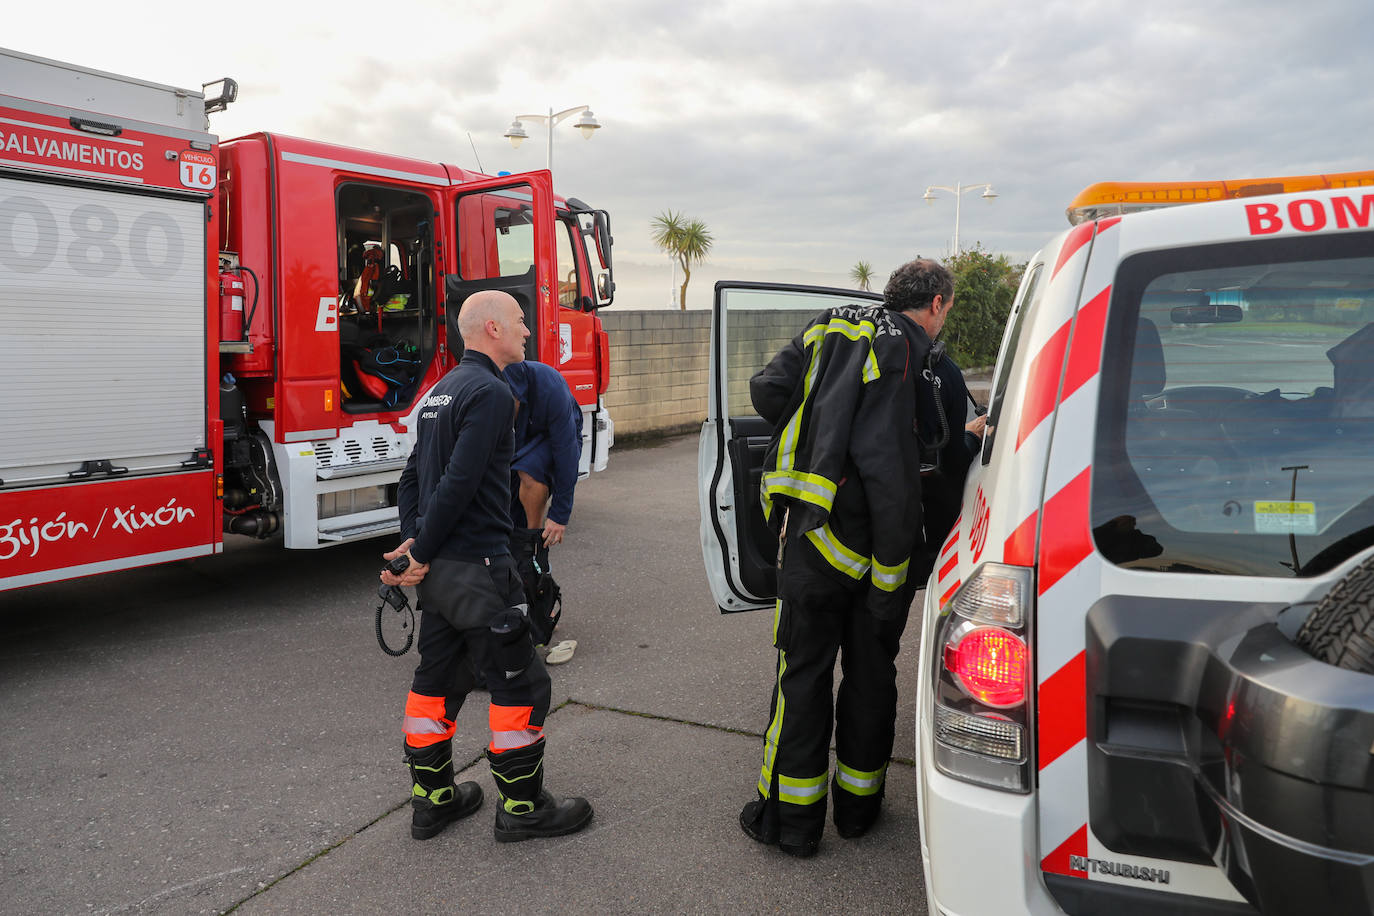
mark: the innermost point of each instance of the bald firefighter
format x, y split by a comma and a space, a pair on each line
454, 499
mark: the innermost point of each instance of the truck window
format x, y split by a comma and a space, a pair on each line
514, 241
567, 264
387, 327
1236, 435
1020, 309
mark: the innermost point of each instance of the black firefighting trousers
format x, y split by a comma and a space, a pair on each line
816, 618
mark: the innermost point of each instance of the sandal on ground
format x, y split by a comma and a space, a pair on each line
560, 653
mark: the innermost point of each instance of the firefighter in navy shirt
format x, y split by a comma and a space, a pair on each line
548, 448
454, 500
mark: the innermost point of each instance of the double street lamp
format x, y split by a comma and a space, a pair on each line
959, 190
587, 124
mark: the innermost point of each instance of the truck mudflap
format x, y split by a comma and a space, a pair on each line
1212, 738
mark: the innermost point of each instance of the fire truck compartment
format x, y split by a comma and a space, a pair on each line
109, 285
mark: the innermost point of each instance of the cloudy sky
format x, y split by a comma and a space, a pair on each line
803, 133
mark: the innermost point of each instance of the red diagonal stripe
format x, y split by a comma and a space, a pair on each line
1067, 538
1063, 711
944, 570
1085, 353
1076, 240
1019, 549
1043, 384
950, 593
953, 535
1057, 862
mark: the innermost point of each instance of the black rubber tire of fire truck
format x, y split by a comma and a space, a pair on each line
1340, 629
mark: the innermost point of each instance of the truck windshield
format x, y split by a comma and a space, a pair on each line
1237, 435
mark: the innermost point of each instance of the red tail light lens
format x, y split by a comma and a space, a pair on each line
991, 665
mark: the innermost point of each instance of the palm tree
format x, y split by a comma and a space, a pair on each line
686, 241
862, 275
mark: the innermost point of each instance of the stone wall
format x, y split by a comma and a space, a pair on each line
659, 361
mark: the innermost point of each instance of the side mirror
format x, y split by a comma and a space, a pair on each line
602, 241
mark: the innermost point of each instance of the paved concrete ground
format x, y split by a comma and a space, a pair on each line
223, 734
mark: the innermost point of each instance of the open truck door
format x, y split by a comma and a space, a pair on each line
504, 229
750, 322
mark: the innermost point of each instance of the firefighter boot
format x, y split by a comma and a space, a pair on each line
855, 814
434, 800
526, 810
761, 823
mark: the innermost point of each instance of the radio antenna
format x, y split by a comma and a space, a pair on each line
474, 154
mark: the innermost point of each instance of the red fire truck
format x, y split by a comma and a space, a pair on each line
204, 337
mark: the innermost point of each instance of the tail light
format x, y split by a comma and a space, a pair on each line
982, 673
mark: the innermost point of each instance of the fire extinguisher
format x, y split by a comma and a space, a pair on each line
231, 290
233, 323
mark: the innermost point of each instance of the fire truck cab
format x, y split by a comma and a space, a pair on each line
356, 264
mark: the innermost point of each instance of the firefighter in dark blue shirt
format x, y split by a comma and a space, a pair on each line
548, 448
454, 498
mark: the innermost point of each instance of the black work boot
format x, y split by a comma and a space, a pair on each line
527, 811
435, 801
855, 814
760, 822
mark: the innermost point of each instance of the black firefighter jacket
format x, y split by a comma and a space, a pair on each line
844, 460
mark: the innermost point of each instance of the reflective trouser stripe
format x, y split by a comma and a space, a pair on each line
836, 554
889, 578
510, 727
807, 791
770, 737
424, 723
859, 782
509, 740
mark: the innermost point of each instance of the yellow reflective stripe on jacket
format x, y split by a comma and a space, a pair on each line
859, 782
889, 578
811, 488
836, 554
804, 791
784, 480
864, 330
787, 443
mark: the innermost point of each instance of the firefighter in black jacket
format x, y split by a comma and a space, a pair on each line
454, 498
842, 487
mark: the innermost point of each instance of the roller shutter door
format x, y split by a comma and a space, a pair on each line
102, 330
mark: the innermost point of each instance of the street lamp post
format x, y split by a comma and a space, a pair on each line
587, 124
958, 191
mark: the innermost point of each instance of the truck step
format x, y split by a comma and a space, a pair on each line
358, 531
361, 467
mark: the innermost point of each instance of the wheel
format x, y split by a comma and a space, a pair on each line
1340, 629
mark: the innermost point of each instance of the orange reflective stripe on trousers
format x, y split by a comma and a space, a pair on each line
510, 727
425, 723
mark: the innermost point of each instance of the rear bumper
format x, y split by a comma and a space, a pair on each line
977, 845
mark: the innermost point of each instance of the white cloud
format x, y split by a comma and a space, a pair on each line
802, 132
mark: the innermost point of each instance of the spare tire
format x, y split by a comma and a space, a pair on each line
1340, 629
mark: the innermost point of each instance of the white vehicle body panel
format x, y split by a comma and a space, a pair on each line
1028, 505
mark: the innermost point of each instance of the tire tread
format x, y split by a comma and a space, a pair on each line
1340, 628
